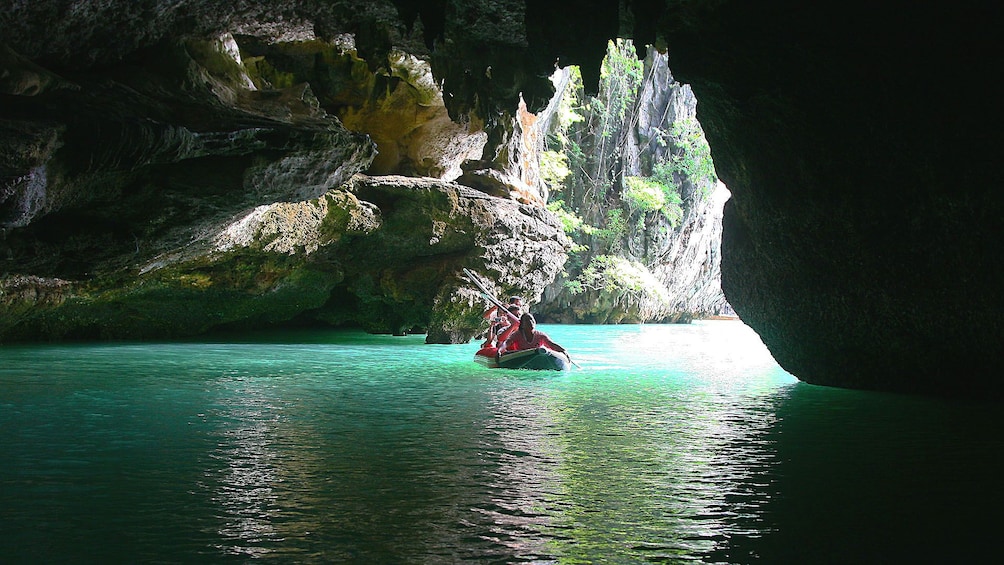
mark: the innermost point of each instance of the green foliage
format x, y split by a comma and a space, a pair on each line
617, 275
673, 213
568, 107
563, 152
574, 286
692, 156
672, 208
586, 166
607, 116
612, 235
621, 74
573, 226
554, 167
658, 193
643, 194
570, 221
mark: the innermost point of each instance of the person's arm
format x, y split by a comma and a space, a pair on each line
502, 346
490, 312
503, 339
547, 340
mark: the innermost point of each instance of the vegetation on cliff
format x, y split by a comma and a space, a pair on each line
630, 174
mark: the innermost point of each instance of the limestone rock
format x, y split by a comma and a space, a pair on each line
400, 108
383, 253
646, 267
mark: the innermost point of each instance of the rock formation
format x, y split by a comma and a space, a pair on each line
199, 188
649, 256
382, 253
858, 238
858, 140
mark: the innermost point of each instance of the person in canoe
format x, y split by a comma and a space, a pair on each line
502, 325
527, 336
501, 331
498, 318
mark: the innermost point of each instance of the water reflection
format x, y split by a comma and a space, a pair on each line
654, 477
246, 475
863, 477
627, 465
524, 454
390, 451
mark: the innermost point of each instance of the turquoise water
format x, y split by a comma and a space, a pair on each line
669, 444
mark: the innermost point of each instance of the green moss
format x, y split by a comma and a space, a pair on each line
265, 75
182, 300
613, 233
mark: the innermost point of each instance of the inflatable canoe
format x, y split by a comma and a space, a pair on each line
540, 359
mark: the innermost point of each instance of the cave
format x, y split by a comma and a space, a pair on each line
858, 140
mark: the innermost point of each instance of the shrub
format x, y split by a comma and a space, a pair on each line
570, 221
643, 194
554, 167
612, 235
617, 275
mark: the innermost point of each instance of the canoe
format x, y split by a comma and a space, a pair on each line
540, 359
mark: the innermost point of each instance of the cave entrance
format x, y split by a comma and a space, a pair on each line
628, 171
630, 174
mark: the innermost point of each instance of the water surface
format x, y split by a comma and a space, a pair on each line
680, 443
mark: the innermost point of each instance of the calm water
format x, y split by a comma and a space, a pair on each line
671, 444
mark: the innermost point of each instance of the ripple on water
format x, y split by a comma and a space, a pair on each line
337, 446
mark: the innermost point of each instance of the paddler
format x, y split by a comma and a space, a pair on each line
502, 325
528, 337
502, 328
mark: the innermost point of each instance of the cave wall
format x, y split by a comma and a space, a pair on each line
859, 141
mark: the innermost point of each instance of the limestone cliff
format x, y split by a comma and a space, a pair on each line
383, 253
202, 187
650, 205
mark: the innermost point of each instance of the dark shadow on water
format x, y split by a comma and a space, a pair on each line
878, 478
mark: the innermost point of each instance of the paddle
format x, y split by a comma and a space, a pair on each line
484, 291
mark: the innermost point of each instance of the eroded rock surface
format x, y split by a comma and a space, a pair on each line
190, 187
384, 253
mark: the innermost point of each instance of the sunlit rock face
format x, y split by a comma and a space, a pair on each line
860, 240
401, 108
656, 269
